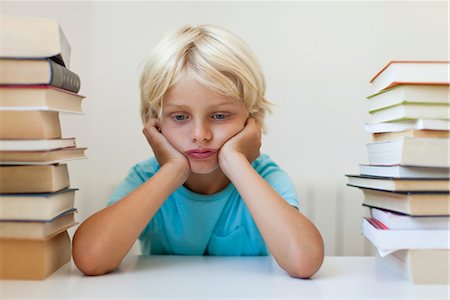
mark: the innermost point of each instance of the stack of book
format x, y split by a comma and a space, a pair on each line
406, 183
36, 201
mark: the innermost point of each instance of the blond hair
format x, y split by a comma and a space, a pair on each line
215, 58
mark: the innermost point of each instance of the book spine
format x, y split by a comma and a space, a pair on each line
63, 78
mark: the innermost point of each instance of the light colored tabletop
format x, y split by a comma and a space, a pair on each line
202, 277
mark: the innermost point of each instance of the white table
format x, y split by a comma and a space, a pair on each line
185, 277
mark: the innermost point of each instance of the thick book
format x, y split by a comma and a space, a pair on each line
41, 157
41, 97
410, 151
411, 72
397, 221
410, 203
419, 124
37, 229
36, 207
421, 94
36, 124
386, 240
426, 134
25, 37
399, 171
399, 184
407, 111
38, 72
33, 179
36, 145
420, 266
33, 259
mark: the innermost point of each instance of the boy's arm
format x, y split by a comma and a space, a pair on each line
102, 241
293, 240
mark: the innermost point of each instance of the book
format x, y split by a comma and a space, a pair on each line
41, 157
399, 184
33, 179
399, 171
37, 229
36, 145
397, 221
33, 259
25, 37
409, 94
411, 72
419, 124
36, 207
410, 203
411, 111
427, 134
410, 151
40, 97
37, 124
387, 240
38, 72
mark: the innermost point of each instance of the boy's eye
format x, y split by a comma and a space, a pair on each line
219, 117
180, 117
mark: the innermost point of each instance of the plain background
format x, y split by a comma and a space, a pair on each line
318, 58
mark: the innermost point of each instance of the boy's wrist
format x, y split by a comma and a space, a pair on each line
179, 172
229, 163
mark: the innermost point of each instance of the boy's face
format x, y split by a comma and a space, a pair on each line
197, 122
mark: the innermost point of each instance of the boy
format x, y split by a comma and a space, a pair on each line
207, 191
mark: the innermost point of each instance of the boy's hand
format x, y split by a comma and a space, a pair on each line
245, 144
164, 152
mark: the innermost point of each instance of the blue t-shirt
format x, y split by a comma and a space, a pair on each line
194, 224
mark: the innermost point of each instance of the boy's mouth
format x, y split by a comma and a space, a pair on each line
201, 153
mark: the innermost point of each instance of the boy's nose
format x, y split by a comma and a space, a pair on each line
201, 133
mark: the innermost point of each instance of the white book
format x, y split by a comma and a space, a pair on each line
36, 145
419, 124
409, 94
398, 221
427, 152
388, 240
411, 72
399, 171
36, 206
411, 111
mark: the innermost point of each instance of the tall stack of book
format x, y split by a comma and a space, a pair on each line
36, 202
406, 183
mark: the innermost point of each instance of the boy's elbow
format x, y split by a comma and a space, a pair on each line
305, 265
88, 260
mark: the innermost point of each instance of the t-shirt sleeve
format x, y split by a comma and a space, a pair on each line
279, 180
136, 176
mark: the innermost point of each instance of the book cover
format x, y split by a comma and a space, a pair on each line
411, 72
36, 145
420, 94
402, 171
27, 37
37, 124
388, 240
397, 221
410, 151
425, 134
410, 203
57, 156
36, 207
410, 111
33, 259
399, 184
33, 179
37, 72
419, 124
37, 229
39, 97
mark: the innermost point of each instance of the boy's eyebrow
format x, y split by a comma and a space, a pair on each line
186, 106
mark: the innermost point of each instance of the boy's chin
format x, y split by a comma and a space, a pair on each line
203, 170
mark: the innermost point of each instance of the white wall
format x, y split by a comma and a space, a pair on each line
317, 56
